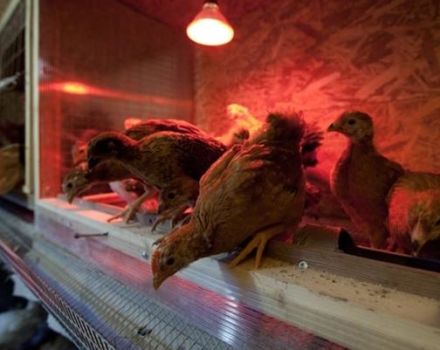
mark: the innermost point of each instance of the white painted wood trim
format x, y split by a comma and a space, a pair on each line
34, 153
28, 125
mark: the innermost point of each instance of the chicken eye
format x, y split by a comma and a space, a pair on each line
437, 223
170, 261
111, 145
171, 195
69, 186
351, 121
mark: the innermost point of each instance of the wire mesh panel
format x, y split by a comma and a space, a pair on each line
126, 319
109, 303
102, 64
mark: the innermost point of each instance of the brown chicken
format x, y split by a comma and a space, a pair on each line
151, 126
414, 213
11, 168
254, 191
362, 178
82, 179
171, 162
79, 148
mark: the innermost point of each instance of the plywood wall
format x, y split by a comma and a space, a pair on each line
323, 57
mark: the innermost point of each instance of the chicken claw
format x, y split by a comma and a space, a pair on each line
121, 214
172, 213
130, 211
159, 219
157, 241
259, 241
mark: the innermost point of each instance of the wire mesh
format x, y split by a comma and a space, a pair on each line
106, 306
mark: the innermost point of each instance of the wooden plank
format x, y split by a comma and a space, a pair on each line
318, 247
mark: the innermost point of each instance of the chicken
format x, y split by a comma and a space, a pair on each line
362, 178
244, 125
414, 213
11, 168
81, 179
254, 191
169, 161
148, 127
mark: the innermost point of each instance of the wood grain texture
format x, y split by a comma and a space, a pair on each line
325, 57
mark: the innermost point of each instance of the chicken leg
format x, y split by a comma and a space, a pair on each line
259, 241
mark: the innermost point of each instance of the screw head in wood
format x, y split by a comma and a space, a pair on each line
303, 265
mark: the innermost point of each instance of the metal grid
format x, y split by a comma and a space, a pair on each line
225, 318
99, 312
141, 323
105, 300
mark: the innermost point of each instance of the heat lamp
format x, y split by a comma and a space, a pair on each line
210, 27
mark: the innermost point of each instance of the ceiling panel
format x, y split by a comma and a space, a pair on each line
179, 13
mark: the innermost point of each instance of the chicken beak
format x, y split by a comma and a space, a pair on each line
332, 127
418, 240
71, 197
157, 281
417, 247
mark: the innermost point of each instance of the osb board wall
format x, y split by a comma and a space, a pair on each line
131, 66
323, 57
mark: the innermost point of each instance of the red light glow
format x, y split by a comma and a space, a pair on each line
75, 88
210, 27
78, 88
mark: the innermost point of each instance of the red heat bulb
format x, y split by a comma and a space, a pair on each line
210, 27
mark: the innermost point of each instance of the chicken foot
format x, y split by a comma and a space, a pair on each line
259, 241
169, 214
130, 210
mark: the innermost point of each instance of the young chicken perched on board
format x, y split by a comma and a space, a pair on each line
82, 179
254, 191
362, 178
171, 162
414, 213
